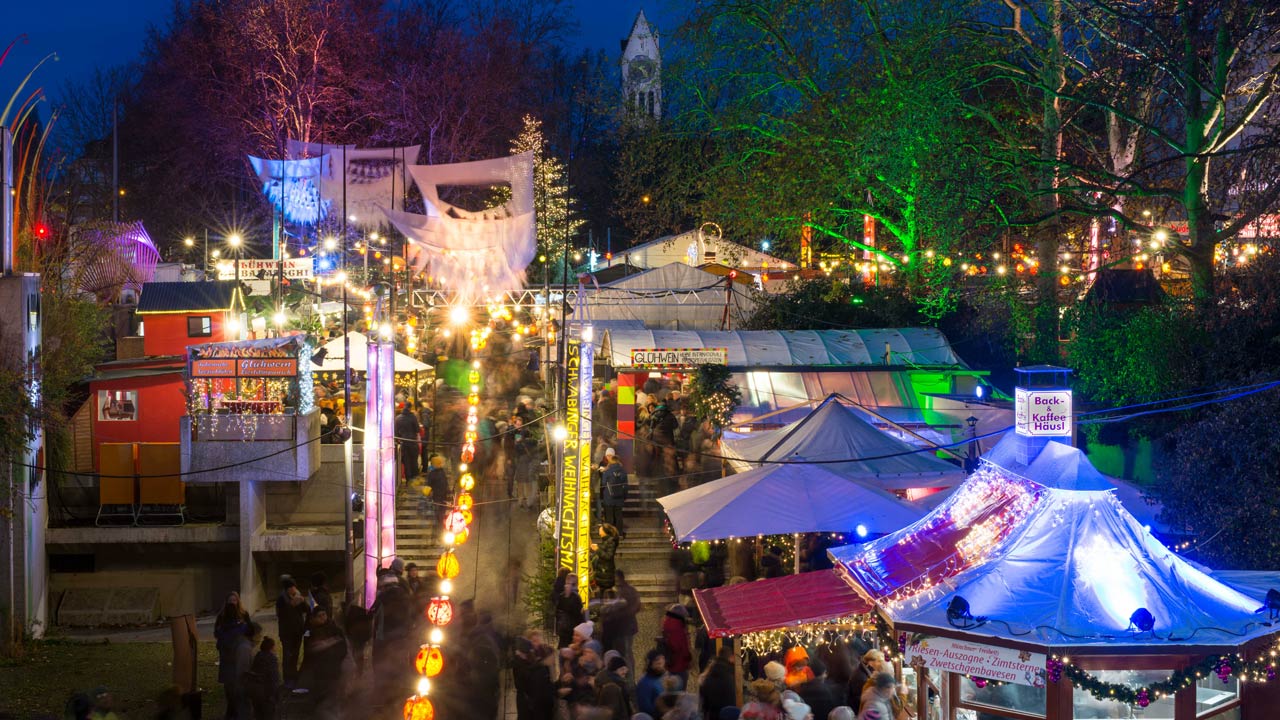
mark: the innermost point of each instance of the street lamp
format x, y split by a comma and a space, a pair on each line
971, 462
234, 240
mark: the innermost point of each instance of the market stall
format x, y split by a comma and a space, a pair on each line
251, 389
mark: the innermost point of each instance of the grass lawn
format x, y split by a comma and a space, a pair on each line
39, 684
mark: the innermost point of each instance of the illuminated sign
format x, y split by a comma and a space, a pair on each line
294, 269
574, 523
1020, 667
1042, 413
678, 357
267, 367
213, 367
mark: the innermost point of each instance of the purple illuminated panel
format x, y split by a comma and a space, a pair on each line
379, 466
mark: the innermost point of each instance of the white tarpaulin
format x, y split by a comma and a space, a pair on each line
474, 254
832, 431
783, 499
1039, 564
671, 297
334, 359
763, 349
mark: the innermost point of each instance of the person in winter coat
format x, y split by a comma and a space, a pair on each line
675, 635
877, 701
872, 663
568, 610
531, 676
649, 686
323, 651
716, 684
602, 554
438, 481
819, 693
613, 490
291, 616
319, 594
239, 705
228, 628
765, 703
407, 430
264, 681
611, 689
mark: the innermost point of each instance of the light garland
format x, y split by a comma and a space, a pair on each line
430, 660
808, 634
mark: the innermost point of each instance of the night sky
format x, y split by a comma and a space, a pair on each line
91, 33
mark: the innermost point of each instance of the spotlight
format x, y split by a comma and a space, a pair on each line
459, 315
1272, 604
958, 614
861, 530
1142, 619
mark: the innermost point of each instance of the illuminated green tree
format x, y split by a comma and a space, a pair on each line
558, 224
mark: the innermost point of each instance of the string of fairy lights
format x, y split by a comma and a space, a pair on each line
430, 660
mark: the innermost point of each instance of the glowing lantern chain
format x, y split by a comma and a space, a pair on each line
429, 661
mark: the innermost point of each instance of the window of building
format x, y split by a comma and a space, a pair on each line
652, 108
1019, 701
199, 326
1216, 699
117, 405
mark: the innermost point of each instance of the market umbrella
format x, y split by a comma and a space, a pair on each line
778, 499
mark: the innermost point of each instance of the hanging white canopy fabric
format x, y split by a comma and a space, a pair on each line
334, 359
360, 179
783, 499
475, 254
832, 431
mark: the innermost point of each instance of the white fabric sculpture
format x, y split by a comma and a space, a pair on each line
299, 183
373, 177
476, 254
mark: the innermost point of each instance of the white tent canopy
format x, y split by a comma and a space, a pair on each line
671, 297
1047, 565
783, 499
763, 349
834, 432
334, 359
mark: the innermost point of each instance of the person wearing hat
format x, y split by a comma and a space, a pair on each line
818, 693
765, 702
675, 635
611, 688
649, 686
776, 673
613, 490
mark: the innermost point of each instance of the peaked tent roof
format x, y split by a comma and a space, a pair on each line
783, 499
333, 359
1058, 465
777, 602
1055, 567
832, 431
674, 296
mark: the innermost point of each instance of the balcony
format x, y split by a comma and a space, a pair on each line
249, 446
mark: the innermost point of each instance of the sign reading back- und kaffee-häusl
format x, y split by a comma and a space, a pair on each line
1042, 413
678, 357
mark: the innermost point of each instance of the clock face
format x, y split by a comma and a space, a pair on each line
640, 70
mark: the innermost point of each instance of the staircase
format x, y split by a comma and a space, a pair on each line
417, 538
646, 552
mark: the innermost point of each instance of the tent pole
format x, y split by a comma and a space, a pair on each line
797, 553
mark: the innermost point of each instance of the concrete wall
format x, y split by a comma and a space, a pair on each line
291, 460
185, 586
318, 501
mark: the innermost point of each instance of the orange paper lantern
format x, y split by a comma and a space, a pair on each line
430, 660
447, 566
467, 515
465, 501
467, 482
419, 708
440, 611
460, 537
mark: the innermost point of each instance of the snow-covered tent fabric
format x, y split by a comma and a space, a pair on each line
783, 499
672, 297
764, 349
832, 431
1055, 567
334, 360
474, 254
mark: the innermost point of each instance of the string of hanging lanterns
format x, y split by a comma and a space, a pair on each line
430, 660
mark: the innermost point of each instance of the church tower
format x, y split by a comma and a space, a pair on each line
642, 70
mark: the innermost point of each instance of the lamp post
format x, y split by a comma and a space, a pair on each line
971, 461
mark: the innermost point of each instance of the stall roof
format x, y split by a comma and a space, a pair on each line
1044, 565
672, 297
777, 603
333, 358
296, 341
832, 431
177, 297
766, 349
